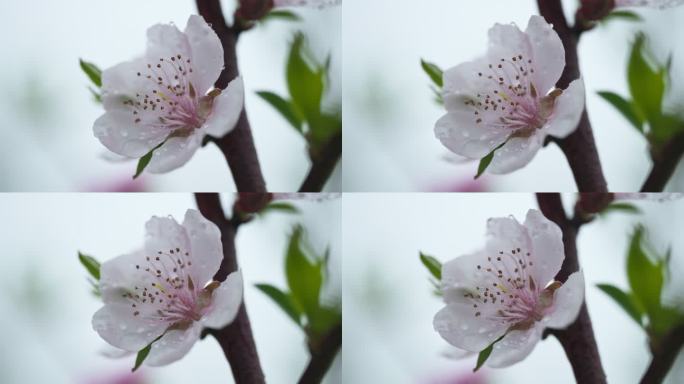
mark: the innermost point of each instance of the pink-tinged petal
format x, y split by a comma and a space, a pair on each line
116, 324
515, 154
567, 111
457, 324
465, 79
173, 345
507, 41
164, 234
117, 131
505, 234
165, 41
514, 347
205, 247
226, 109
460, 273
175, 152
207, 53
459, 133
120, 275
547, 245
549, 54
567, 302
121, 80
225, 302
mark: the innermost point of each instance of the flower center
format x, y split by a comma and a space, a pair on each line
171, 296
172, 101
510, 100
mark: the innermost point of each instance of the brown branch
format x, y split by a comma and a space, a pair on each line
236, 339
579, 147
322, 356
578, 339
665, 162
238, 145
664, 355
323, 164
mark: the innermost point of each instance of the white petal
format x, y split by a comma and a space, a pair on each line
567, 302
515, 154
207, 53
226, 109
206, 250
122, 80
459, 133
173, 345
567, 111
225, 302
507, 41
175, 152
165, 234
546, 247
116, 324
549, 54
120, 275
165, 41
458, 325
514, 347
117, 131
464, 79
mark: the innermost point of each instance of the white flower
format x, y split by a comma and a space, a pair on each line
167, 290
509, 96
164, 97
509, 289
309, 3
661, 4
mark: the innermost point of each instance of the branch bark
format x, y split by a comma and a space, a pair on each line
236, 339
322, 356
664, 164
323, 164
579, 147
238, 145
664, 356
578, 339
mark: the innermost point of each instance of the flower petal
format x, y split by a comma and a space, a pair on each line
458, 325
173, 345
507, 41
458, 132
225, 302
207, 53
567, 111
514, 347
175, 152
464, 79
226, 109
515, 154
164, 234
567, 302
120, 275
165, 41
122, 80
117, 131
547, 247
206, 250
548, 51
116, 324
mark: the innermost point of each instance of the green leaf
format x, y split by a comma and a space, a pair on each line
280, 14
285, 108
96, 95
323, 127
433, 71
284, 301
622, 15
280, 206
304, 275
145, 160
621, 207
484, 354
93, 72
322, 319
305, 79
91, 265
646, 85
433, 265
142, 354
624, 300
485, 161
625, 107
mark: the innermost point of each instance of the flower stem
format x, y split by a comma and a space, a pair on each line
322, 356
238, 145
665, 162
664, 355
323, 164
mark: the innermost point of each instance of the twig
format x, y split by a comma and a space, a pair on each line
322, 356
236, 339
579, 147
323, 164
665, 162
578, 339
237, 146
664, 355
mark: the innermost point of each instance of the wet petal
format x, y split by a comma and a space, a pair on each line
165, 41
514, 347
175, 152
206, 250
118, 131
459, 326
226, 109
117, 325
567, 111
207, 54
225, 302
458, 131
515, 154
507, 41
546, 246
549, 54
121, 275
173, 345
164, 234
567, 302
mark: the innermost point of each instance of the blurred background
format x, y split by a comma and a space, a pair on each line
47, 306
389, 114
48, 143
389, 303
